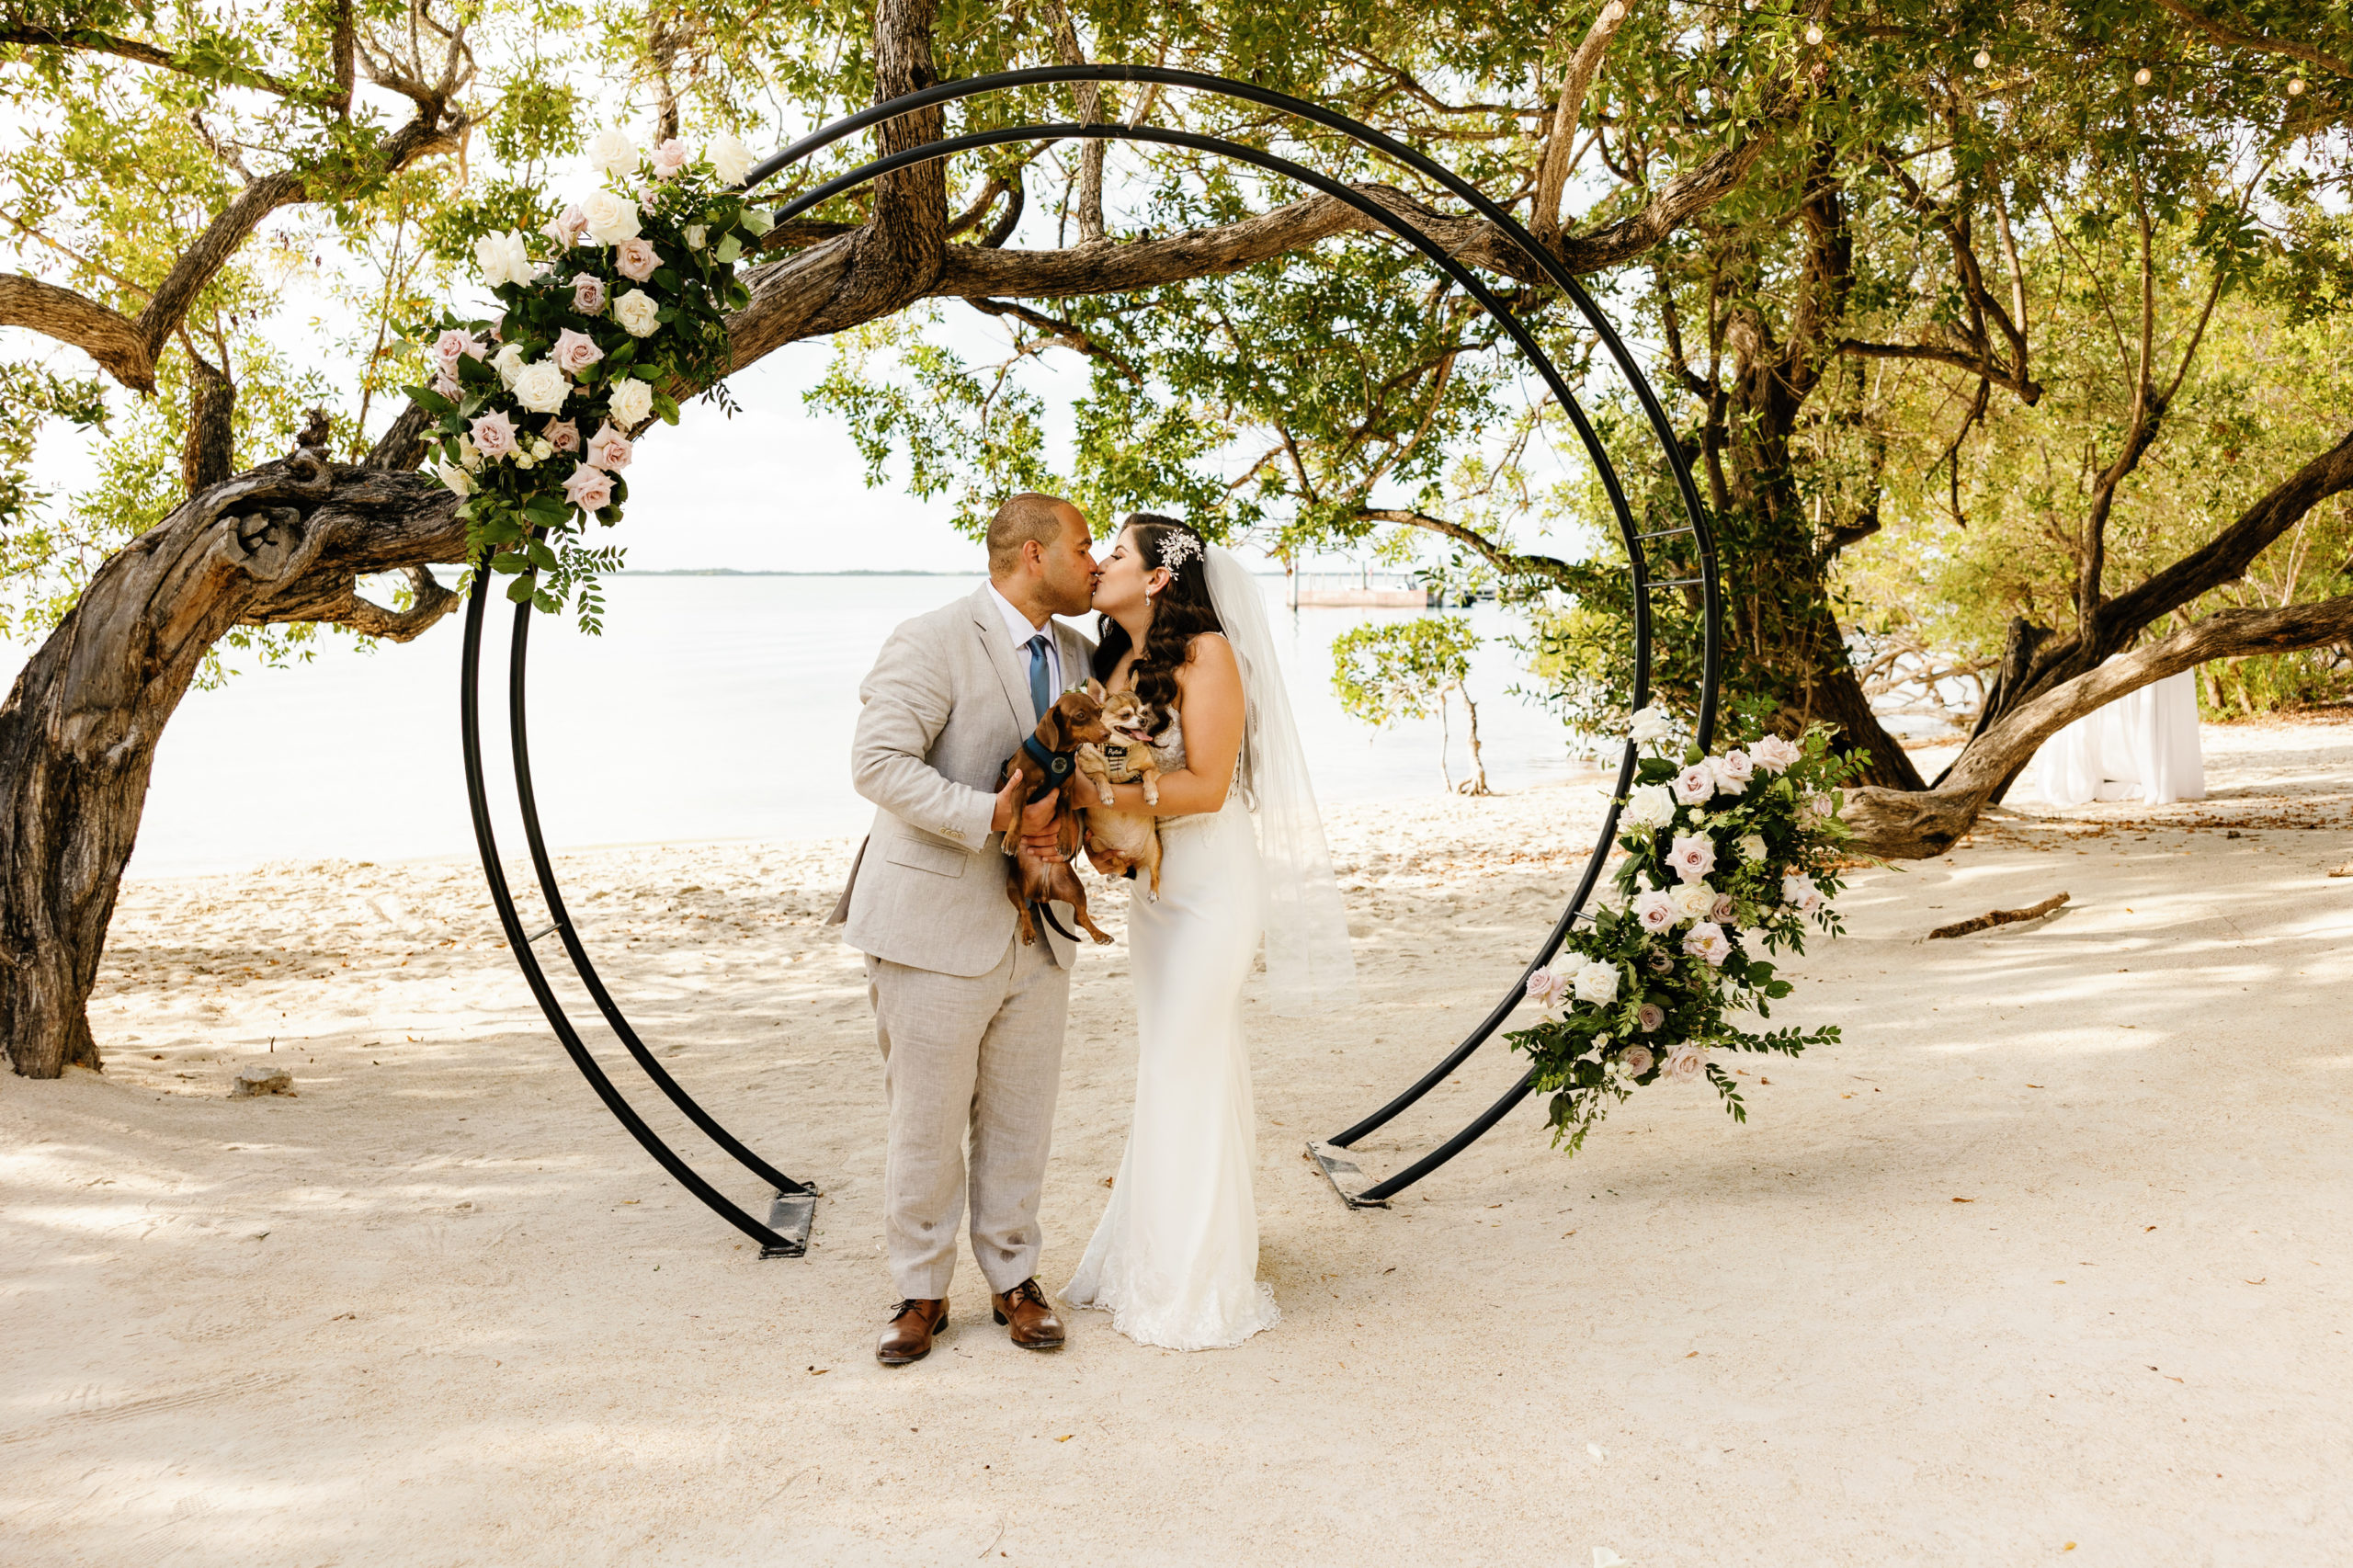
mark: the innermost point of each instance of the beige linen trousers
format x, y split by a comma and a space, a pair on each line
969, 1020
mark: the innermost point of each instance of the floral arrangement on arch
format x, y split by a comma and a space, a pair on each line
1727, 858
618, 301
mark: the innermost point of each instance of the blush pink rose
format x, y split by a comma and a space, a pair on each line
453, 345
1733, 771
1707, 940
566, 227
448, 388
1545, 987
1692, 856
1686, 1063
1773, 754
1638, 1059
1655, 910
589, 488
574, 352
609, 448
1800, 894
1696, 785
1722, 911
588, 293
1648, 1017
636, 259
669, 158
494, 435
563, 436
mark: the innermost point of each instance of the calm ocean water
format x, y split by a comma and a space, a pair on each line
713, 708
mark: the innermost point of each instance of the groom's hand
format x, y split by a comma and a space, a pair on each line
1008, 803
1039, 840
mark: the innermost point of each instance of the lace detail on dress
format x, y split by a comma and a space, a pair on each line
1168, 754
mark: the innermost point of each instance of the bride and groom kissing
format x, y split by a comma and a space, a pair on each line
970, 1017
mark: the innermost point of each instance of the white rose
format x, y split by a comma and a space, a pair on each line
1693, 900
1752, 847
637, 313
503, 260
612, 152
1649, 806
469, 454
507, 362
541, 388
611, 219
632, 400
461, 483
1652, 725
696, 234
730, 159
1596, 982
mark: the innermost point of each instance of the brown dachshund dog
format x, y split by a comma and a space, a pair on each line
1046, 763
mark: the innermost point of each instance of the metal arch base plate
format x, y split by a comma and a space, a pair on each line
791, 1216
1347, 1177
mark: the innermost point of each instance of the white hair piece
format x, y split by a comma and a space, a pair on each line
1178, 547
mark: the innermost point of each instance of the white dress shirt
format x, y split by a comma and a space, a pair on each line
1018, 626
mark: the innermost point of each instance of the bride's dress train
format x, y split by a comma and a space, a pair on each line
1175, 1259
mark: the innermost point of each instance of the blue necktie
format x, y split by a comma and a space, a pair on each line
1041, 682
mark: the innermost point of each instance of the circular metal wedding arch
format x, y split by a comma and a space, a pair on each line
785, 1232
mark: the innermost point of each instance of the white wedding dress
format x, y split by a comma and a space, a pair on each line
1175, 1259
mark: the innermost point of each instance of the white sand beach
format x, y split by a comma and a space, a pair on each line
2048, 1261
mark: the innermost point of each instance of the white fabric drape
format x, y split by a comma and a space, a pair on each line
2141, 746
1310, 967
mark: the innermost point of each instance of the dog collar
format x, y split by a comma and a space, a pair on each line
1057, 763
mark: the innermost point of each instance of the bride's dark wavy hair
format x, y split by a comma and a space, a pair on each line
1180, 612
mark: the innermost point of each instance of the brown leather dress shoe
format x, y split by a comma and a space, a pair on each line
1033, 1323
913, 1326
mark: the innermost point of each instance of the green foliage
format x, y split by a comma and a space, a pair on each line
31, 396
1401, 669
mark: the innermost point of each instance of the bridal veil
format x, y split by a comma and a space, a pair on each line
1309, 965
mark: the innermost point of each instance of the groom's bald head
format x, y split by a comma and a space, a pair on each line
1030, 516
1039, 557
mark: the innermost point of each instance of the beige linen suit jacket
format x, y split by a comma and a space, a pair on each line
945, 703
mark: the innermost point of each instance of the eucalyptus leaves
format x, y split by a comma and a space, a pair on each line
1727, 856
616, 303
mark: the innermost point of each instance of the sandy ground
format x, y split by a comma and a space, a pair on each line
2047, 1262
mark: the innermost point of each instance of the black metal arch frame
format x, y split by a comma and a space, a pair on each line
786, 1234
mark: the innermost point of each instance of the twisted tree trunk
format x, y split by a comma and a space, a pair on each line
78, 732
2047, 681
1904, 825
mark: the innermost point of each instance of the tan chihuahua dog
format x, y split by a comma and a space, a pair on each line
1120, 842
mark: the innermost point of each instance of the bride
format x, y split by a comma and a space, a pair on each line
1175, 1257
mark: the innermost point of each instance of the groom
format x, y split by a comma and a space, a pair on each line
970, 1020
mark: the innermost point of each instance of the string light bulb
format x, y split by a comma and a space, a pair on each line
2140, 78
1983, 60
2295, 86
1813, 34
